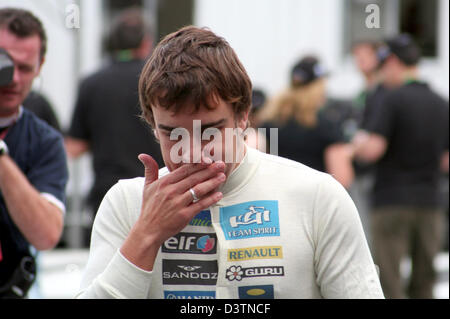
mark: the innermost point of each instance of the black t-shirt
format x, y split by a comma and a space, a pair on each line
38, 150
107, 116
374, 100
40, 106
414, 121
372, 104
306, 144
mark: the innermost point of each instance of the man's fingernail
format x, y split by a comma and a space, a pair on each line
207, 160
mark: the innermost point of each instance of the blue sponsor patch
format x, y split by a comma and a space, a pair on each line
202, 219
256, 292
189, 294
250, 219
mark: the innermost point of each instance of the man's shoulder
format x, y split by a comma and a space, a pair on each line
136, 183
297, 178
38, 128
282, 168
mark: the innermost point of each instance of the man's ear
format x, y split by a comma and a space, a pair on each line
41, 63
155, 132
242, 121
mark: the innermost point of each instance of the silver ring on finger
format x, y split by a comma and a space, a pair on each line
194, 196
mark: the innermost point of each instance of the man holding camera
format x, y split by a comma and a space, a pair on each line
33, 167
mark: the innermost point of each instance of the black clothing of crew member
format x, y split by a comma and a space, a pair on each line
414, 120
306, 144
373, 100
372, 103
40, 106
107, 116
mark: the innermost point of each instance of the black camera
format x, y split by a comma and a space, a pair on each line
6, 68
22, 279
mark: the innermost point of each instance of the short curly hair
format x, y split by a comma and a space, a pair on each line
189, 67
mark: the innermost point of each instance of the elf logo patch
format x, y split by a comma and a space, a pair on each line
191, 243
250, 219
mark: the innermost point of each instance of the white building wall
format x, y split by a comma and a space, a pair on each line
270, 36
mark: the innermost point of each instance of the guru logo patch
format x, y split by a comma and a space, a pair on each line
238, 273
250, 219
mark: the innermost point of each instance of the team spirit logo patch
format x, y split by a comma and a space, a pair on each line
250, 253
238, 273
189, 294
202, 219
256, 292
189, 272
250, 219
191, 243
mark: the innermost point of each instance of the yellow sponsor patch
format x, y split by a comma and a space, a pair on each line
260, 252
256, 292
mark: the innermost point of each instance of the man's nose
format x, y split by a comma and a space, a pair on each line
193, 153
16, 76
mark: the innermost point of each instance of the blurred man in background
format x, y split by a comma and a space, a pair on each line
365, 55
33, 169
106, 119
408, 140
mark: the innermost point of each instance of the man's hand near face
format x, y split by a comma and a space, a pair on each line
168, 206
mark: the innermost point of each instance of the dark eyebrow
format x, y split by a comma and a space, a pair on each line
203, 127
213, 124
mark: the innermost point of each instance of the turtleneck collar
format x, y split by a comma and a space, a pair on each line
242, 173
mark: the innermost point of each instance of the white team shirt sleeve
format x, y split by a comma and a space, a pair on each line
108, 273
343, 262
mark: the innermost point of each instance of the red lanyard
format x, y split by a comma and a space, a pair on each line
3, 134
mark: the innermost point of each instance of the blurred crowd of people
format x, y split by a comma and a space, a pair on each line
388, 146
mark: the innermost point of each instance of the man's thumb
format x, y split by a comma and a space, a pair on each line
151, 168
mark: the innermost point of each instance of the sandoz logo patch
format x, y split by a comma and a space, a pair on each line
189, 272
251, 219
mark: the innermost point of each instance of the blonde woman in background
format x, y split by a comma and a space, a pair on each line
304, 133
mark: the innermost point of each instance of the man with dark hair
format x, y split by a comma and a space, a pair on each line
33, 169
106, 118
408, 140
220, 220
